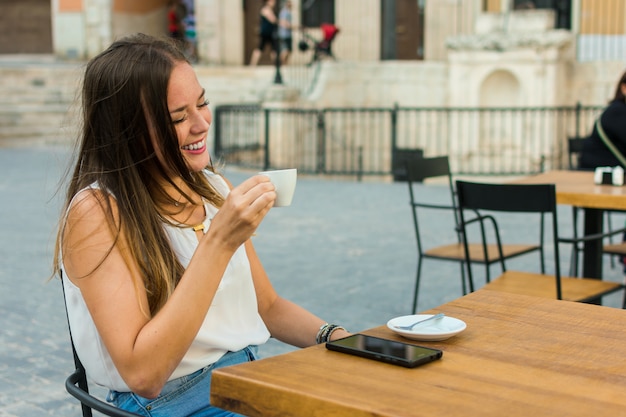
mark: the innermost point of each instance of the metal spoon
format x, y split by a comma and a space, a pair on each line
410, 326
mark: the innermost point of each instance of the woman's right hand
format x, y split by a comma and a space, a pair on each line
244, 208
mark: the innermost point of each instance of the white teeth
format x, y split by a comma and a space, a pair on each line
194, 146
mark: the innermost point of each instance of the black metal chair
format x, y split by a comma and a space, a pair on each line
77, 386
486, 201
574, 149
419, 169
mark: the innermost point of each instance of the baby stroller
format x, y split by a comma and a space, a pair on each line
323, 48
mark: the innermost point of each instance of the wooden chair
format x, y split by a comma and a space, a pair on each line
419, 169
77, 386
486, 201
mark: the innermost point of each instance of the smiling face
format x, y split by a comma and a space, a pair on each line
190, 114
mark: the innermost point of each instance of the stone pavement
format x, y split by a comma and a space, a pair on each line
344, 249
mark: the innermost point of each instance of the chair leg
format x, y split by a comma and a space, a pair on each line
573, 269
470, 279
573, 263
417, 284
487, 273
463, 284
610, 227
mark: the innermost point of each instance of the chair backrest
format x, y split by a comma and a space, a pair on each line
574, 148
77, 386
419, 169
521, 198
511, 198
399, 159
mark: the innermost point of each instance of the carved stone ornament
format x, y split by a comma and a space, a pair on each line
500, 41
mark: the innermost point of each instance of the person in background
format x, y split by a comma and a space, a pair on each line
176, 14
595, 153
162, 281
285, 28
267, 32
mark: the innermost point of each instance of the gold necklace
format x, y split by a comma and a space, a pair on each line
200, 226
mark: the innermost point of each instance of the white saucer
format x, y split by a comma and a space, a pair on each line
440, 329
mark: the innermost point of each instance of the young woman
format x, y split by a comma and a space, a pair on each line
595, 153
162, 281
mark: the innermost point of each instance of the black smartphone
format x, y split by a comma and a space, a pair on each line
384, 350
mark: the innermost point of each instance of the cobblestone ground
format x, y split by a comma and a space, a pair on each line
344, 250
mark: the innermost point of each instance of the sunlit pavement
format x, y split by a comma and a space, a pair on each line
344, 250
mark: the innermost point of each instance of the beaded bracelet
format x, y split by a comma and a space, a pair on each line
331, 331
325, 331
318, 338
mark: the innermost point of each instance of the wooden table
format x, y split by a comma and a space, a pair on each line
519, 356
576, 188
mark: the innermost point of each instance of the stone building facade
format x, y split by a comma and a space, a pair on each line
463, 43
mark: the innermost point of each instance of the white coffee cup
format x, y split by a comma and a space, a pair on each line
284, 181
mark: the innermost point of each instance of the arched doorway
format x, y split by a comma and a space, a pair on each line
503, 133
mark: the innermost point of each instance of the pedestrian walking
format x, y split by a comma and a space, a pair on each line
267, 32
285, 28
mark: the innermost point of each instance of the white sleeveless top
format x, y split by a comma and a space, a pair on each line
231, 323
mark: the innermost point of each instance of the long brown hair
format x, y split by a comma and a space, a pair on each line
124, 112
619, 95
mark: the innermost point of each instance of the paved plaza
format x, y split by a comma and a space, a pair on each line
344, 249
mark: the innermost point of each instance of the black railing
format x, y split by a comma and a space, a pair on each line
371, 141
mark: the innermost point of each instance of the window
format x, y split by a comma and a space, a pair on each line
316, 12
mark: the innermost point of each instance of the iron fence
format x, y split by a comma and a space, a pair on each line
374, 141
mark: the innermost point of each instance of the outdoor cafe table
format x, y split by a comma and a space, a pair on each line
519, 356
576, 188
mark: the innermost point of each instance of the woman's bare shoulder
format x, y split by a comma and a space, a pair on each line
89, 211
90, 201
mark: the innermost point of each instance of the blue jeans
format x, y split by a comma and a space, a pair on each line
184, 396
